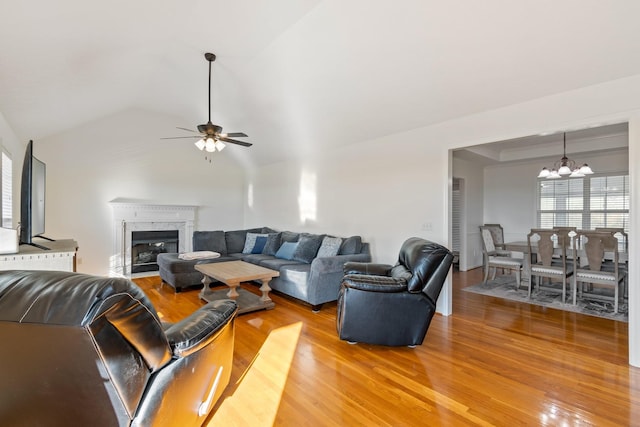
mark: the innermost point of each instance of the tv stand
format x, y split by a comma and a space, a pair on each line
59, 255
35, 245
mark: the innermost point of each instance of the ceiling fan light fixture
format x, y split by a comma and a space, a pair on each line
219, 145
200, 144
210, 145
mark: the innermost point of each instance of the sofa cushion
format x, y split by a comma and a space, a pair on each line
308, 246
351, 246
273, 244
276, 263
210, 241
251, 239
255, 258
330, 247
286, 250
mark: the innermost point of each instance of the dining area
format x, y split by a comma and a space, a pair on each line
578, 265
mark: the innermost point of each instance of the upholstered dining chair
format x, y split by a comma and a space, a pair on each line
82, 350
495, 258
393, 305
543, 244
589, 260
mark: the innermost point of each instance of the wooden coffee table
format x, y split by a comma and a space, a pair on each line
232, 273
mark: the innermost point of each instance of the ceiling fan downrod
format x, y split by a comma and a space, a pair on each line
210, 57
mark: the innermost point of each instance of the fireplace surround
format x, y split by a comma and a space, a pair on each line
144, 217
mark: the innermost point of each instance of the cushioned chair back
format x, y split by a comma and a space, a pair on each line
428, 263
77, 342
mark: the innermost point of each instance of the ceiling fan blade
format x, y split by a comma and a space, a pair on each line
182, 137
235, 135
233, 141
188, 130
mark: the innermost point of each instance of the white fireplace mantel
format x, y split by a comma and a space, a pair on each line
131, 216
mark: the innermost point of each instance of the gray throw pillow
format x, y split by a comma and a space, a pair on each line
308, 245
351, 246
272, 245
289, 236
329, 247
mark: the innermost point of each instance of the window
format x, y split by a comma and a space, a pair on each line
585, 203
6, 191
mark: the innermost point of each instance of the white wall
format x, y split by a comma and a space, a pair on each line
122, 156
383, 193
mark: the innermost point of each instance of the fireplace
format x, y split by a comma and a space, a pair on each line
147, 245
130, 217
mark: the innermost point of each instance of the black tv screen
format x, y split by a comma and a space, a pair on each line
32, 197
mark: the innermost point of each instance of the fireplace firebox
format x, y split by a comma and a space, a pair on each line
146, 245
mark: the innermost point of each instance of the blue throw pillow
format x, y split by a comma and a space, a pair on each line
286, 250
259, 245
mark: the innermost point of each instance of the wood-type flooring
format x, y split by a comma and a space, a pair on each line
492, 362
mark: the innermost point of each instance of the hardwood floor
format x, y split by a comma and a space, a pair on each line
493, 362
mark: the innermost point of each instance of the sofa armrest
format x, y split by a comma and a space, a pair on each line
367, 268
336, 263
200, 328
370, 283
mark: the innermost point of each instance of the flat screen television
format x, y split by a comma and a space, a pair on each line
32, 199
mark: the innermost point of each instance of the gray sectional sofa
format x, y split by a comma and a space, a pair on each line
310, 265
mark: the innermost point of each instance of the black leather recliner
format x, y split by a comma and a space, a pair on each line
86, 350
393, 305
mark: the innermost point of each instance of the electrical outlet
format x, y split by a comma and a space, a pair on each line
427, 226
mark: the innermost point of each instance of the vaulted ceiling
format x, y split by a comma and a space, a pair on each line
300, 76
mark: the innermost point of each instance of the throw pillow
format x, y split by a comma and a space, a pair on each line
290, 236
261, 241
308, 246
272, 245
351, 246
330, 246
286, 250
250, 242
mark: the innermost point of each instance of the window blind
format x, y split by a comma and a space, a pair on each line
6, 189
584, 203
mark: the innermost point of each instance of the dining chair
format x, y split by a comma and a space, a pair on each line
494, 258
620, 234
543, 244
592, 247
623, 245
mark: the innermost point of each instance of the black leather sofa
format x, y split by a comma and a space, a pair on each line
393, 305
80, 350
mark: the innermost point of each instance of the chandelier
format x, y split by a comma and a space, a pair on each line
565, 166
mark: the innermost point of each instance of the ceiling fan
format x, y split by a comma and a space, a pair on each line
210, 136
